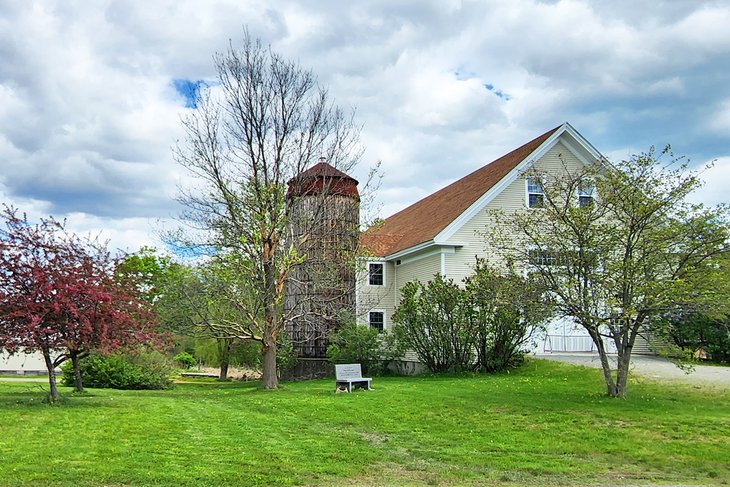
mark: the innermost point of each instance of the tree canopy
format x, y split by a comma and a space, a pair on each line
619, 246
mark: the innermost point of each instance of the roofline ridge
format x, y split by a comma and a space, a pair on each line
472, 172
479, 185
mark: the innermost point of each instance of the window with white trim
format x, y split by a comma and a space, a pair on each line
535, 193
376, 274
586, 188
376, 319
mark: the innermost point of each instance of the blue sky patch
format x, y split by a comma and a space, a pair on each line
498, 92
190, 252
189, 90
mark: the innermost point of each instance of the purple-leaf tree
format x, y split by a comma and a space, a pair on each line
59, 296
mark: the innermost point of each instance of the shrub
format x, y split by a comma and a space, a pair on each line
430, 321
504, 309
136, 369
695, 332
482, 326
363, 345
185, 360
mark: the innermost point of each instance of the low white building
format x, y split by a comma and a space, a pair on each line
22, 363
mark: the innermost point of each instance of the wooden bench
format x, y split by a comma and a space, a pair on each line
350, 376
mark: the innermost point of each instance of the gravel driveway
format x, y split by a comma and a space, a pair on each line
652, 367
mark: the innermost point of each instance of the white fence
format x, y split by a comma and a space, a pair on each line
568, 343
567, 337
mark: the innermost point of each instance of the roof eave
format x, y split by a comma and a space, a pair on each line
421, 247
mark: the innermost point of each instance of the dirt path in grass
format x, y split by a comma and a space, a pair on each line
655, 368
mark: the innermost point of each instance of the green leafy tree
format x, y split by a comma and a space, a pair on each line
701, 335
192, 300
242, 353
615, 262
149, 269
169, 286
204, 301
705, 332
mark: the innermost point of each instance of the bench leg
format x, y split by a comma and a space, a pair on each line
363, 384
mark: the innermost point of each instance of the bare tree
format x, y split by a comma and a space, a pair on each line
256, 131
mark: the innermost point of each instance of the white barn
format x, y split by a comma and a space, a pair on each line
443, 232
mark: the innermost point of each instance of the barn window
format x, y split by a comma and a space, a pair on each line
541, 257
535, 193
586, 189
563, 257
376, 274
376, 319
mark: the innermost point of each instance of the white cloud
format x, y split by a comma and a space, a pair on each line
720, 120
714, 191
88, 112
122, 234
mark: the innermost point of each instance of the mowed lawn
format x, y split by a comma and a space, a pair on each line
544, 424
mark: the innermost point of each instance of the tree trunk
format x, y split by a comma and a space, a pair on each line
269, 379
224, 353
224, 371
611, 386
51, 374
78, 384
622, 373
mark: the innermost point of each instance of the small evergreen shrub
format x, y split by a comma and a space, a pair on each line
185, 360
365, 346
131, 370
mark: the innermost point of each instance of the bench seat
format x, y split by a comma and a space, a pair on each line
350, 377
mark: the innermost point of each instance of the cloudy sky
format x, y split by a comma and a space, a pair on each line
91, 98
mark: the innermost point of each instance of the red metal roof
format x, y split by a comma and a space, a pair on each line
323, 177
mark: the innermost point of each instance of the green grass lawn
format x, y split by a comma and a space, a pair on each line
546, 423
